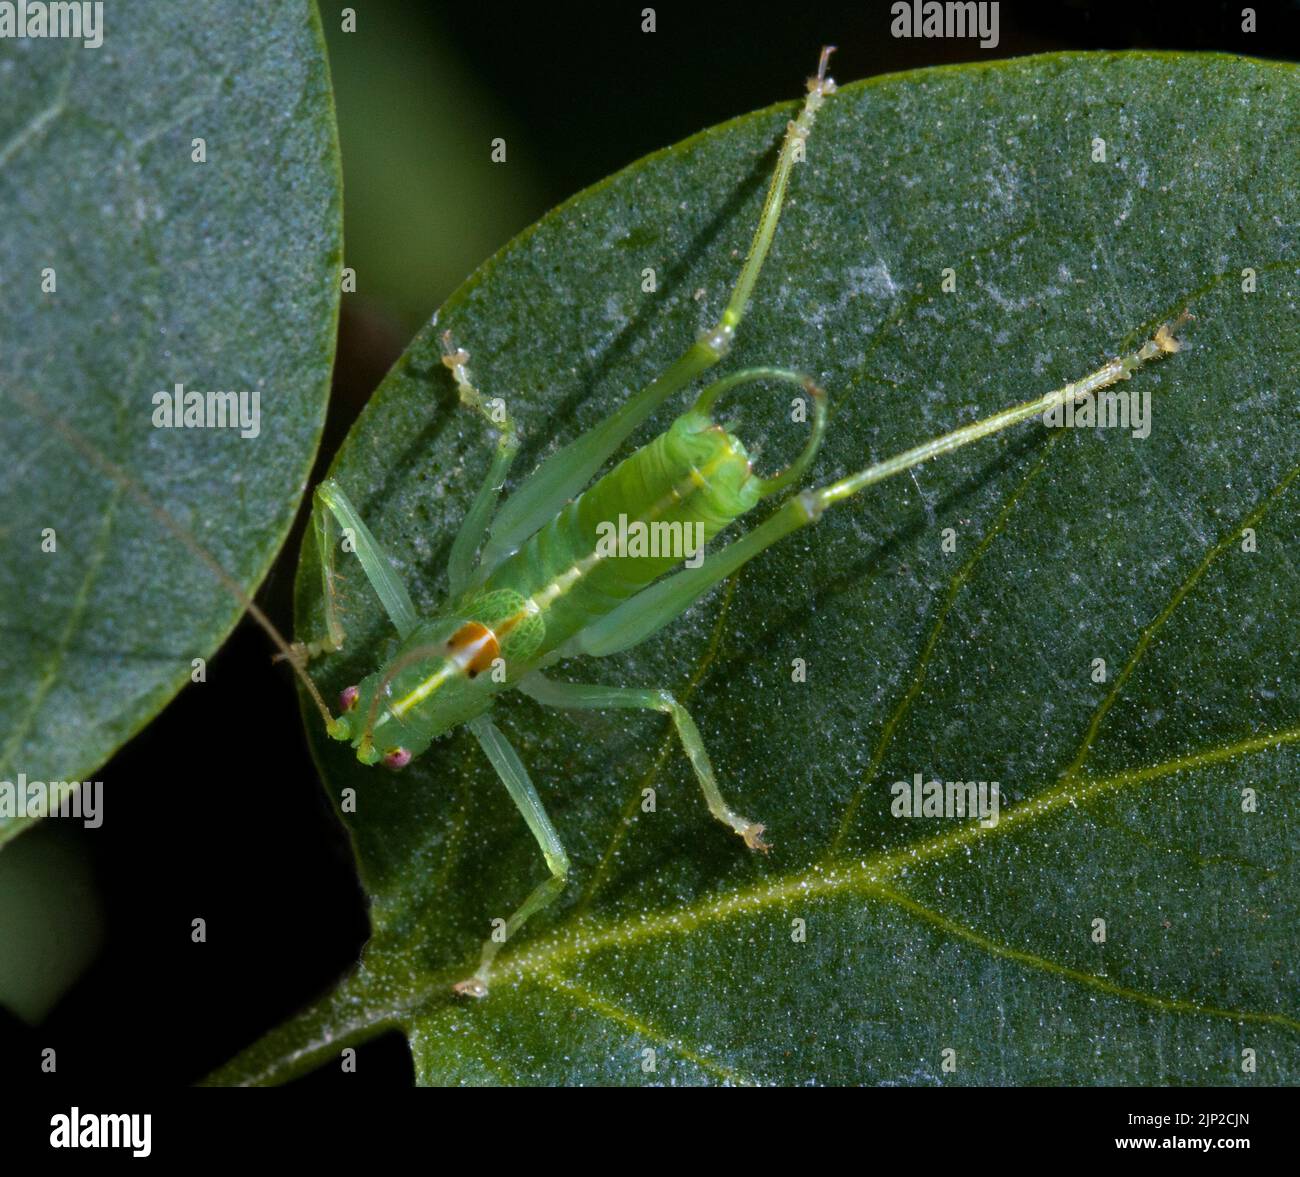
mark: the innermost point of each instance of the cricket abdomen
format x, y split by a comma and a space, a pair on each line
651, 513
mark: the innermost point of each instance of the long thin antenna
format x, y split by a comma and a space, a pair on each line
180, 532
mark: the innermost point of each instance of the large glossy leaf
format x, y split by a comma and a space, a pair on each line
1123, 799
219, 275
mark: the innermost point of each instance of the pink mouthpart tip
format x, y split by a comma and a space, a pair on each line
397, 758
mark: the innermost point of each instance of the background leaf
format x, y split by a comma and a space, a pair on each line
40, 957
1123, 799
221, 275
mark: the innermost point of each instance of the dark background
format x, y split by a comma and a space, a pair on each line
216, 810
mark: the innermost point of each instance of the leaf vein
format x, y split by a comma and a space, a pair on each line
1104, 984
955, 585
596, 1003
1149, 631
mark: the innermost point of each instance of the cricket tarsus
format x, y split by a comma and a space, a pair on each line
823, 61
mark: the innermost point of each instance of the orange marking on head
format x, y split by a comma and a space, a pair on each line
474, 647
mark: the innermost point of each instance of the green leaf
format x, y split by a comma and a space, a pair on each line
1122, 799
221, 275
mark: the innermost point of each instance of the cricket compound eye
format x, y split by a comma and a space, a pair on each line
348, 698
396, 758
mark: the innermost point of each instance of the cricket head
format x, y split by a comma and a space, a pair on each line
433, 683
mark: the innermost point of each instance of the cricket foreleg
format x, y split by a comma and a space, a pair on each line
569, 469
473, 529
581, 696
515, 778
